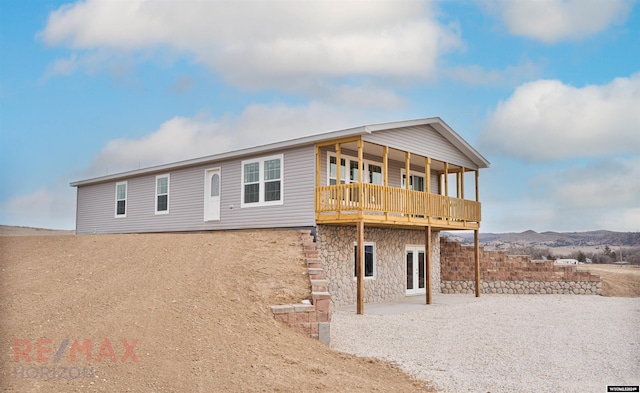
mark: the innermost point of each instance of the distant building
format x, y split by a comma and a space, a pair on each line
567, 261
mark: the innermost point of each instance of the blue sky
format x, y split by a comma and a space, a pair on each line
548, 91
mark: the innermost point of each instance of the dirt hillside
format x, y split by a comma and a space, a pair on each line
165, 313
618, 281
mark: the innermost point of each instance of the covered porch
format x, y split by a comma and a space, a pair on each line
363, 183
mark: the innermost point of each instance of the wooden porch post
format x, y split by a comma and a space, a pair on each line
427, 175
446, 179
360, 179
317, 178
385, 166
427, 257
407, 169
407, 186
360, 269
338, 165
360, 233
462, 170
385, 180
477, 193
427, 187
476, 245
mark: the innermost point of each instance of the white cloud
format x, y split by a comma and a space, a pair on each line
601, 194
258, 42
551, 21
63, 66
48, 207
509, 76
548, 120
182, 138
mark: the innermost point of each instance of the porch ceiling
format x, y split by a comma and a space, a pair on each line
396, 155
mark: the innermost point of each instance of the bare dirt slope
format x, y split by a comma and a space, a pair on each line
620, 281
8, 230
165, 313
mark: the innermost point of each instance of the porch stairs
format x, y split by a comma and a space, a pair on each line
312, 319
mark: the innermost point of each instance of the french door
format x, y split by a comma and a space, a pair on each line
416, 270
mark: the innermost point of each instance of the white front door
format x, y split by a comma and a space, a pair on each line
212, 195
416, 270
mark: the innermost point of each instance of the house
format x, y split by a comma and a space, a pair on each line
376, 198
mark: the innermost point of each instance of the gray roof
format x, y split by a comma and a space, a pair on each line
437, 123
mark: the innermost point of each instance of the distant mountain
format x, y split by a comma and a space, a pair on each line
554, 239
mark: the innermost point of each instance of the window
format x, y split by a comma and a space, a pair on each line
375, 174
272, 174
121, 199
416, 182
162, 194
369, 260
215, 185
332, 171
349, 170
262, 181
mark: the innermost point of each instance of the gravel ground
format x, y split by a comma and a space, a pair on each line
505, 343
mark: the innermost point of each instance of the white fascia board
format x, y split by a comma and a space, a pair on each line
453, 137
443, 129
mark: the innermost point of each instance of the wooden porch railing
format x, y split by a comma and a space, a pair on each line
344, 198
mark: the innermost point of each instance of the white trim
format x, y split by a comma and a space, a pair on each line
261, 181
126, 193
373, 245
157, 195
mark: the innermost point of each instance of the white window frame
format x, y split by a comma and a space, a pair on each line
373, 246
413, 173
126, 192
347, 159
261, 182
157, 195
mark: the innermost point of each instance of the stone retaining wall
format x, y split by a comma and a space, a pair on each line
501, 273
524, 287
336, 247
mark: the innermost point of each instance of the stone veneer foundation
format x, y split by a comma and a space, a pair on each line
335, 245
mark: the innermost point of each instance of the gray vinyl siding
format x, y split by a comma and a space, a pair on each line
422, 140
96, 202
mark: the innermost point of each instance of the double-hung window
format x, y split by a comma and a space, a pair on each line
121, 199
162, 194
262, 181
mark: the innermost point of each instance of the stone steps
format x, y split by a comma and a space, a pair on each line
310, 319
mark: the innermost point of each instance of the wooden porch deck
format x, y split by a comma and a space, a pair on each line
391, 206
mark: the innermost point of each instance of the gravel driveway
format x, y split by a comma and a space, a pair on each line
503, 343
